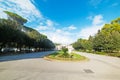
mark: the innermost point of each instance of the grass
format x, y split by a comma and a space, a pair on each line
100, 53
114, 54
69, 57
108, 54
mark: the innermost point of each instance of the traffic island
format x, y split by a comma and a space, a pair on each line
61, 56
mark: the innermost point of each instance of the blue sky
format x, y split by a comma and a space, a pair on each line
64, 21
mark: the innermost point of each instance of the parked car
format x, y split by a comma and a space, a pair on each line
5, 50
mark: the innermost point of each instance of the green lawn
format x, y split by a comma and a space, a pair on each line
65, 57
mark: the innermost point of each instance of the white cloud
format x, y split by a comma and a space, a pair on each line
61, 36
98, 19
46, 25
58, 30
24, 8
2, 15
64, 35
41, 28
97, 24
72, 27
49, 23
90, 31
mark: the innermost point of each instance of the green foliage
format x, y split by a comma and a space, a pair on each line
76, 56
83, 44
64, 52
16, 17
12, 32
106, 40
64, 49
114, 54
70, 57
101, 53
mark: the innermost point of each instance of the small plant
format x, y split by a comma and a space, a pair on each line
60, 55
101, 53
64, 49
65, 52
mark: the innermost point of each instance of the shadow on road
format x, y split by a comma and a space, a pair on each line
25, 56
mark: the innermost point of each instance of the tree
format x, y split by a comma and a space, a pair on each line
108, 39
83, 44
14, 34
16, 17
115, 40
65, 52
90, 43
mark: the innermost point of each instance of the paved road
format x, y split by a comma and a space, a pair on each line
34, 67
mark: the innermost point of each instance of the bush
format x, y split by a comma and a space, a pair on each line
65, 52
64, 49
101, 53
114, 54
67, 57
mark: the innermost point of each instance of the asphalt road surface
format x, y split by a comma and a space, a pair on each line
33, 67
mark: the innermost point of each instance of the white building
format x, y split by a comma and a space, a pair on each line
70, 48
59, 47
